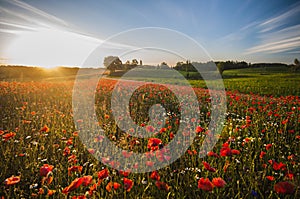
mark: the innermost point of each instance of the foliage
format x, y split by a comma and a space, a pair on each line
112, 63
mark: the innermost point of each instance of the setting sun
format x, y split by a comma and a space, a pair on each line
49, 48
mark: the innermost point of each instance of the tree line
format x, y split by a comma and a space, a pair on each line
113, 63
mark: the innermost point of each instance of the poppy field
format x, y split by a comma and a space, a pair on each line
257, 154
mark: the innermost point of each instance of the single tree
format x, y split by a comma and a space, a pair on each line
134, 62
296, 65
112, 63
164, 65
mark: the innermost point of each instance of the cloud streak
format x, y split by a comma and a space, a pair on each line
46, 34
276, 46
38, 12
280, 20
277, 34
239, 34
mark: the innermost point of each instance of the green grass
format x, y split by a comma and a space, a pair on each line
275, 81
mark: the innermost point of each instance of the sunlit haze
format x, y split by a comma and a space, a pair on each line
64, 33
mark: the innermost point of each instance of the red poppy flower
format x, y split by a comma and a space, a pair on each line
162, 185
74, 185
155, 176
171, 135
125, 173
45, 169
199, 129
271, 178
114, 164
212, 154
127, 154
67, 151
128, 184
225, 151
92, 189
262, 154
235, 152
85, 180
103, 174
162, 130
205, 184
225, 144
192, 152
153, 144
284, 187
208, 167
91, 151
7, 136
45, 129
268, 146
270, 162
218, 182
74, 169
291, 157
48, 179
149, 163
12, 180
69, 141
289, 175
150, 128
46, 191
112, 185
72, 158
284, 121
278, 166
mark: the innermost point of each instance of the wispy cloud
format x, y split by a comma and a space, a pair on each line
240, 34
38, 12
280, 20
14, 25
34, 19
276, 46
277, 34
46, 34
294, 52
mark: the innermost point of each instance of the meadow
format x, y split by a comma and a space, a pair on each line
257, 154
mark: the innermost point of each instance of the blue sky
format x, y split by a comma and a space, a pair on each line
50, 33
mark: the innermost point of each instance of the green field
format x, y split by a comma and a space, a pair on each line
43, 154
263, 81
275, 81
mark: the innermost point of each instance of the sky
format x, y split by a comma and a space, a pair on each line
67, 32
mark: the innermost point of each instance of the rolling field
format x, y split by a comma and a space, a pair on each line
257, 154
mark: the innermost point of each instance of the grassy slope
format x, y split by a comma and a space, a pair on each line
274, 81
264, 81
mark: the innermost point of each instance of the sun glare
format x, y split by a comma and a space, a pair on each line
49, 48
